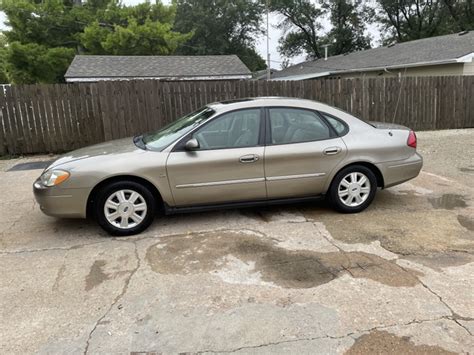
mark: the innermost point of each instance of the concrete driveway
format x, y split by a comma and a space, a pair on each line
397, 278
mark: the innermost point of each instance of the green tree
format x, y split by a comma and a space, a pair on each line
301, 26
3, 48
407, 20
221, 27
45, 34
462, 13
347, 32
145, 29
303, 32
34, 63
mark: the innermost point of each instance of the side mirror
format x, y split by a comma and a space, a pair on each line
192, 144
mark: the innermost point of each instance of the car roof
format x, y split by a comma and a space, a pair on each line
260, 101
281, 101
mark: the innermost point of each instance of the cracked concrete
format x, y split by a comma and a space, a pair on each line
397, 278
118, 297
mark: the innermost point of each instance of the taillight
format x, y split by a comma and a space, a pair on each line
411, 139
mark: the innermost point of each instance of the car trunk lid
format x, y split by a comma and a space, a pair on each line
384, 125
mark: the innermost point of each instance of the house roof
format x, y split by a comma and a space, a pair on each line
426, 51
98, 66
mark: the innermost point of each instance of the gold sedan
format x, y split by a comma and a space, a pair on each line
231, 154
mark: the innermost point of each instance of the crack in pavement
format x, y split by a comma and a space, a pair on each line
74, 247
79, 246
342, 251
118, 297
354, 335
106, 240
454, 316
60, 273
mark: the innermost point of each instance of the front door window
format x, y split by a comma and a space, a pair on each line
237, 129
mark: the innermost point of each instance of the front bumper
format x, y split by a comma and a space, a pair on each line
59, 202
397, 172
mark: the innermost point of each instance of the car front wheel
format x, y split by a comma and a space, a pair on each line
353, 189
125, 208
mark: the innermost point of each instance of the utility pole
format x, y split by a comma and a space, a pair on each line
268, 43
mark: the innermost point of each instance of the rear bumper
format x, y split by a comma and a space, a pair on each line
397, 172
64, 203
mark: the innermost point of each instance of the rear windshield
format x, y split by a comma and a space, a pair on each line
360, 119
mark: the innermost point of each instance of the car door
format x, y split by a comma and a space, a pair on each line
227, 166
301, 152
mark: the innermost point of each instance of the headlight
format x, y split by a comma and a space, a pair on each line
54, 177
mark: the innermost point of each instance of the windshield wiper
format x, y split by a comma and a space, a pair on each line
138, 140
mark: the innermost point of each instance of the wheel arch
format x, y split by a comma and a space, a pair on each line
368, 165
119, 178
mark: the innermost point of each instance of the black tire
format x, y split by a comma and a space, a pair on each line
148, 215
336, 201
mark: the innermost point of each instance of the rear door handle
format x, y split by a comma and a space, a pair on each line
332, 150
249, 158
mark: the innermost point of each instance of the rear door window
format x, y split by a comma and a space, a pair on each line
293, 125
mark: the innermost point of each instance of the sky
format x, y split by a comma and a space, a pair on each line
261, 44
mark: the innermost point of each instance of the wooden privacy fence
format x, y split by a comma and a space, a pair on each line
59, 118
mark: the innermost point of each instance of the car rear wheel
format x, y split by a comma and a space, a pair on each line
125, 208
353, 189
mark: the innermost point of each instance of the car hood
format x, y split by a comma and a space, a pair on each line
115, 147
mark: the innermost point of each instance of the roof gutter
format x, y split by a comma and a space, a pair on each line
302, 76
75, 79
464, 59
398, 66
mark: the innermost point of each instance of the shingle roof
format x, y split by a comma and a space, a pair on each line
441, 49
97, 66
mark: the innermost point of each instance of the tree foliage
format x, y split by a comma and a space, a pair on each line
407, 20
3, 48
399, 21
347, 32
35, 63
221, 27
144, 29
45, 35
462, 14
303, 30
301, 26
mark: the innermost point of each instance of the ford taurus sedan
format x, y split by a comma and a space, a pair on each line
231, 154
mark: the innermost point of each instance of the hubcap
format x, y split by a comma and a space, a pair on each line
125, 209
354, 189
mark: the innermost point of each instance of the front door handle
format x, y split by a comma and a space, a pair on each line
249, 158
332, 150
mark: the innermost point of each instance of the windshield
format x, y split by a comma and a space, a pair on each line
161, 139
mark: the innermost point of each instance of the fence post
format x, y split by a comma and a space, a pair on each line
3, 118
